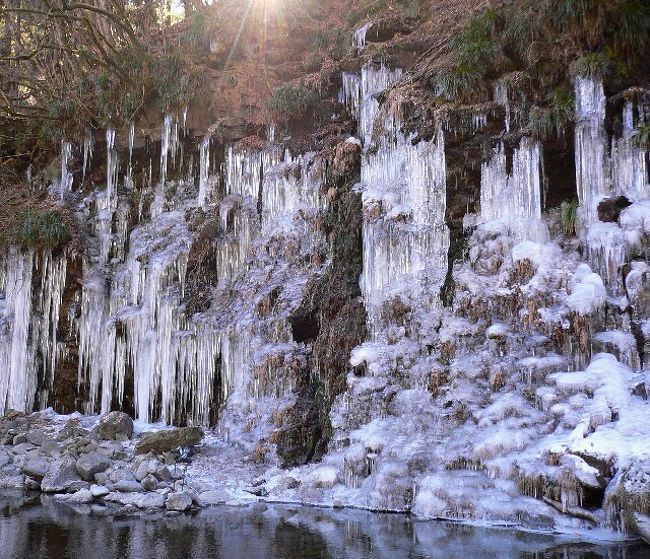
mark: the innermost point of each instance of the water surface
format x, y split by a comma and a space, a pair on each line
32, 527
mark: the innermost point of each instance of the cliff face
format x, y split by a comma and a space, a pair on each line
424, 285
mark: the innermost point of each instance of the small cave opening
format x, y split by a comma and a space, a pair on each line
304, 327
559, 175
593, 497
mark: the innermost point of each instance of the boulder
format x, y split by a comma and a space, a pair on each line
151, 500
72, 428
213, 497
50, 447
81, 497
115, 425
168, 439
99, 490
23, 448
149, 483
180, 501
125, 486
609, 209
119, 473
36, 437
90, 464
36, 468
61, 476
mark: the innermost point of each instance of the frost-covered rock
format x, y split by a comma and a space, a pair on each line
114, 425
324, 477
149, 483
213, 497
61, 475
168, 439
81, 497
180, 501
99, 491
588, 292
90, 464
36, 467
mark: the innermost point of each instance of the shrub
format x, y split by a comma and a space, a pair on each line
291, 100
175, 79
592, 65
47, 229
633, 31
569, 217
641, 136
410, 8
476, 43
459, 81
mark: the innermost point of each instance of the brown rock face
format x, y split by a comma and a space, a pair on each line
164, 441
332, 319
610, 208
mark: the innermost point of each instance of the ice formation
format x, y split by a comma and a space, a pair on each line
590, 147
359, 36
32, 287
373, 82
515, 199
405, 237
500, 405
66, 180
600, 171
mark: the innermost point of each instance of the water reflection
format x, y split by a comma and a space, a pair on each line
35, 528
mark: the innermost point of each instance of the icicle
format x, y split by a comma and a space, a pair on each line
204, 172
350, 94
501, 98
131, 142
629, 162
65, 184
89, 144
111, 168
360, 35
167, 145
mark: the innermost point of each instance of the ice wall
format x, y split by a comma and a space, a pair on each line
404, 198
129, 315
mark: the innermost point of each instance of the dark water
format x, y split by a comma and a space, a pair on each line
31, 528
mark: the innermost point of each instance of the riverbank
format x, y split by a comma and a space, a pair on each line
111, 467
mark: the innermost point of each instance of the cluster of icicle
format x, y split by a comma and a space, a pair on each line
514, 198
29, 318
404, 198
129, 316
619, 169
606, 169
